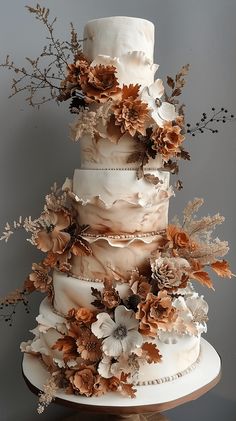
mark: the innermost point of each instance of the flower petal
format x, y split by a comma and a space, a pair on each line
131, 341
104, 368
43, 241
167, 111
156, 89
125, 317
104, 326
112, 346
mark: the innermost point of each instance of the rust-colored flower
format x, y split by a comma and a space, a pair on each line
50, 260
99, 83
74, 71
84, 315
110, 296
90, 348
131, 115
52, 236
101, 386
139, 284
155, 313
167, 140
40, 277
83, 380
72, 80
180, 238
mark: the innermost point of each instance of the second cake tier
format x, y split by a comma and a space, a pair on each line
116, 202
114, 258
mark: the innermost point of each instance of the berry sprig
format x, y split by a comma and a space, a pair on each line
209, 122
9, 304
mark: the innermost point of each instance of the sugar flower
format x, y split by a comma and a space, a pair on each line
161, 111
170, 272
121, 334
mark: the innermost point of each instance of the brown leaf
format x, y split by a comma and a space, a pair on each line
176, 92
221, 267
179, 185
171, 166
184, 155
184, 70
203, 278
140, 172
113, 131
68, 346
134, 157
152, 179
152, 353
170, 82
98, 295
181, 109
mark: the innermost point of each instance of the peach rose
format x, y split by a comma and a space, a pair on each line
155, 313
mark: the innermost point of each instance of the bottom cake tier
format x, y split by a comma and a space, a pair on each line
180, 353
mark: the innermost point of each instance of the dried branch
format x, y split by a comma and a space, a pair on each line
176, 84
46, 72
9, 304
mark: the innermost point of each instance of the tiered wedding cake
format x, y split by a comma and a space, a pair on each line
122, 310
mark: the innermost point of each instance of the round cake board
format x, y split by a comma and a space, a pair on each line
149, 398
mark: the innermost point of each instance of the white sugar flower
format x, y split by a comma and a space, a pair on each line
161, 111
199, 308
193, 311
121, 334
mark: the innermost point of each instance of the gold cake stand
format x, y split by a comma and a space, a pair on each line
150, 400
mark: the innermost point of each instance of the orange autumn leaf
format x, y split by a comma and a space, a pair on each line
67, 345
221, 267
127, 389
203, 278
152, 353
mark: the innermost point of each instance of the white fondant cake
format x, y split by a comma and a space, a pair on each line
114, 289
116, 202
103, 154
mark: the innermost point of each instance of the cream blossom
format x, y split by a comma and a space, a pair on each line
109, 367
193, 310
161, 111
170, 272
121, 334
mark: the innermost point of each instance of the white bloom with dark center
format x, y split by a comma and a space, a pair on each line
161, 111
121, 334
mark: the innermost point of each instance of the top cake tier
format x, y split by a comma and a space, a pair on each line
125, 42
118, 35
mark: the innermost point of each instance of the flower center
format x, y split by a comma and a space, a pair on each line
50, 228
158, 102
120, 332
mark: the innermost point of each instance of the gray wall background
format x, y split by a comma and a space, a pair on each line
35, 151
